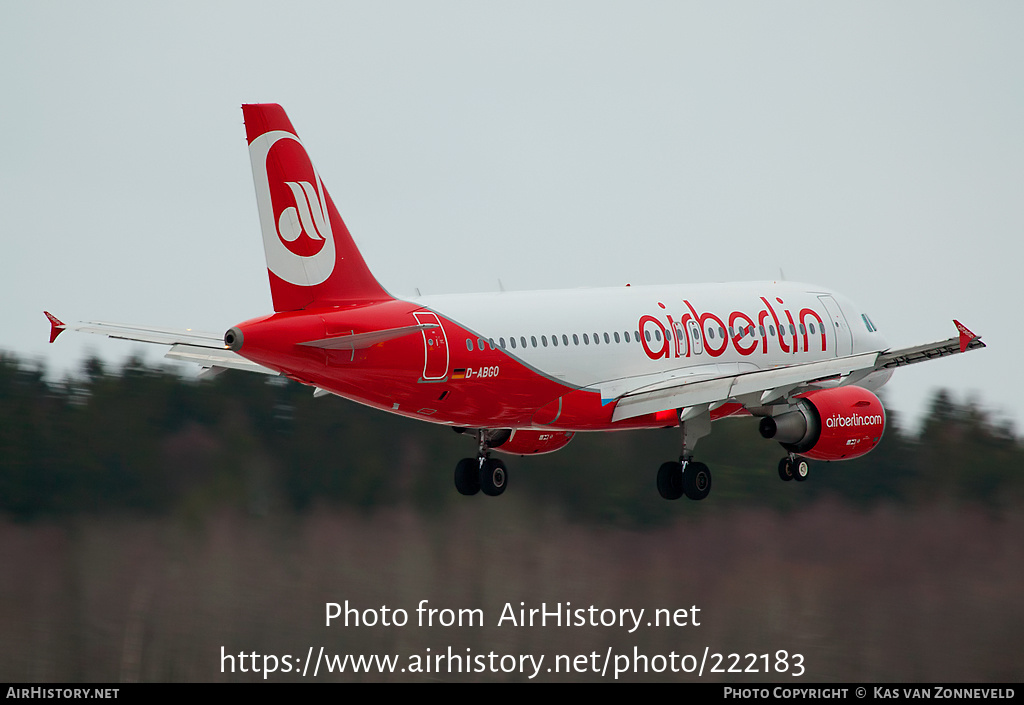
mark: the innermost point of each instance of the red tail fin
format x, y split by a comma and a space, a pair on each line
311, 257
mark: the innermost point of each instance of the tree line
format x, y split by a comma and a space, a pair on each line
142, 439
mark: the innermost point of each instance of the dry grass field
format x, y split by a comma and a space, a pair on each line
883, 594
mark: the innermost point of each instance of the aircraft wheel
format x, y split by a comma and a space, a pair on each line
800, 469
785, 469
670, 480
467, 476
493, 477
696, 481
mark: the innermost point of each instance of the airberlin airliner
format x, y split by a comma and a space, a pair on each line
522, 372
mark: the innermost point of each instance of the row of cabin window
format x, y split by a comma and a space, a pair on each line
522, 342
626, 337
750, 330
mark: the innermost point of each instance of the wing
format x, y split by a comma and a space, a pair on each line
205, 349
919, 353
711, 386
756, 388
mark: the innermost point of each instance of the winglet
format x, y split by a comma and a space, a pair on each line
56, 326
966, 336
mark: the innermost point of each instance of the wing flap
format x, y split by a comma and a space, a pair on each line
677, 394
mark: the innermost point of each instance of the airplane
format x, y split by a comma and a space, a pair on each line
523, 372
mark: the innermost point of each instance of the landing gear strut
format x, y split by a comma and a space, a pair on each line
687, 476
482, 472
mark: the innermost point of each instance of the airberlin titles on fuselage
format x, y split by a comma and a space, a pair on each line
693, 333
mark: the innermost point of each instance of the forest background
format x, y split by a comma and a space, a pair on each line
148, 520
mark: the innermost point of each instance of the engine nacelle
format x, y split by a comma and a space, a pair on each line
527, 442
829, 424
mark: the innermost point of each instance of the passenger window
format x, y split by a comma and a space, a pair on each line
544, 340
711, 333
586, 339
522, 340
647, 334
597, 339
501, 342
469, 345
616, 336
565, 339
554, 340
533, 339
575, 339
513, 341
761, 330
657, 334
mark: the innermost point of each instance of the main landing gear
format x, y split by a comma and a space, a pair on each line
482, 473
793, 467
686, 476
475, 474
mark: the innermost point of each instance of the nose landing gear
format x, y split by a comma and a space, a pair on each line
793, 467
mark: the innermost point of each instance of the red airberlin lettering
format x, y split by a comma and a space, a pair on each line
745, 332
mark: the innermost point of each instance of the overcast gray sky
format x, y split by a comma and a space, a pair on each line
875, 148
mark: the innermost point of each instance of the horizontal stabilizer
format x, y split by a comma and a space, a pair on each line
358, 341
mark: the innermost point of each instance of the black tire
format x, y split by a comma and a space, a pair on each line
696, 481
670, 480
800, 469
467, 476
493, 477
785, 469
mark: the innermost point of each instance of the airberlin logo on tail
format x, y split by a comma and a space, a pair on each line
297, 232
306, 216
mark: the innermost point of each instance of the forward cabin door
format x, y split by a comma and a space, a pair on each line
840, 333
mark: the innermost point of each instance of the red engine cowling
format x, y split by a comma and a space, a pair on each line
830, 424
525, 442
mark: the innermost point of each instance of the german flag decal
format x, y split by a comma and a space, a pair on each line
459, 373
